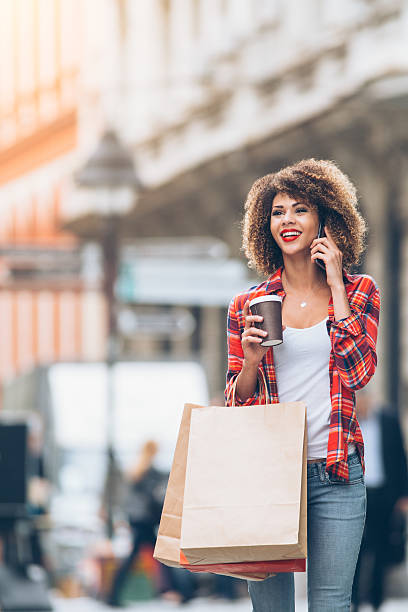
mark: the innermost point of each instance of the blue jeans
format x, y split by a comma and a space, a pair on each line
335, 523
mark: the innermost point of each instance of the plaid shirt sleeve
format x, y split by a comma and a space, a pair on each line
354, 338
235, 327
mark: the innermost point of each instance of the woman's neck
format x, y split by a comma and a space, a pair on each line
302, 275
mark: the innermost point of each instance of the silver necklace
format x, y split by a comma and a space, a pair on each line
304, 301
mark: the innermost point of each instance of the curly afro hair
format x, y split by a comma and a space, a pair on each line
324, 187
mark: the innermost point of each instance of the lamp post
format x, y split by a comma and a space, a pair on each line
110, 185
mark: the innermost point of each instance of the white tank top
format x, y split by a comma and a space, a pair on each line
302, 374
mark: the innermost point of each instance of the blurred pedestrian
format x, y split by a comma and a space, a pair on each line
302, 228
22, 533
386, 479
39, 489
178, 585
226, 587
143, 504
7, 526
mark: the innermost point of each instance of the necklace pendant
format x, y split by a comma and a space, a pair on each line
303, 304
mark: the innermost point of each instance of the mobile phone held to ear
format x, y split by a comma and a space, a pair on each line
320, 234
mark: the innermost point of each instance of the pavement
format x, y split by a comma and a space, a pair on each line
396, 585
84, 604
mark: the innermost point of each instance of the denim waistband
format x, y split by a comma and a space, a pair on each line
316, 468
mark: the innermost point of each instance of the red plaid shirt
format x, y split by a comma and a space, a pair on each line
352, 362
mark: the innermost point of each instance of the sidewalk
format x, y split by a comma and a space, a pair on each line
243, 604
396, 585
197, 605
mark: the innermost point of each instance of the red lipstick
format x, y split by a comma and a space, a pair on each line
290, 235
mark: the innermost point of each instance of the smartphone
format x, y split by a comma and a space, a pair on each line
320, 234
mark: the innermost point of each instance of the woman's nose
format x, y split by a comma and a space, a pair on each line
287, 216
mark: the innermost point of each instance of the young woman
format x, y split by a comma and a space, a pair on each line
330, 320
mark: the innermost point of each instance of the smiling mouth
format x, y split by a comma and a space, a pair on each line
290, 235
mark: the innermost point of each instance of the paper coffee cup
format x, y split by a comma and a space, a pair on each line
270, 308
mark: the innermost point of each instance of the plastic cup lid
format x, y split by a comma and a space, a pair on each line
265, 298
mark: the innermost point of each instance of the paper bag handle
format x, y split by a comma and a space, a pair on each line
267, 397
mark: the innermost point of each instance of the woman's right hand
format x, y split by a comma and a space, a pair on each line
252, 337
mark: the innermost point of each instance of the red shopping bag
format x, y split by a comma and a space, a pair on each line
249, 567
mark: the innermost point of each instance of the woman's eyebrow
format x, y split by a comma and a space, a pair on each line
294, 204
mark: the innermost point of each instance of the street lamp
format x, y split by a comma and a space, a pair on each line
110, 186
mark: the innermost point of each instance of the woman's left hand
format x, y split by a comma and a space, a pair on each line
326, 249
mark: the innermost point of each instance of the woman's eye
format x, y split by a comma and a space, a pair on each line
301, 209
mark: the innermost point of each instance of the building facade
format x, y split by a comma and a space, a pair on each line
246, 87
48, 311
209, 95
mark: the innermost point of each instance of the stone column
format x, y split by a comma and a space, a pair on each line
403, 216
210, 343
182, 40
181, 346
148, 57
373, 199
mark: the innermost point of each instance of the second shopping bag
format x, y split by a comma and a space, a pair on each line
167, 549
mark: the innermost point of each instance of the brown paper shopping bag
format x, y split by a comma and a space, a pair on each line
167, 549
245, 484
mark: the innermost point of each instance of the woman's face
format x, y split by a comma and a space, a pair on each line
294, 224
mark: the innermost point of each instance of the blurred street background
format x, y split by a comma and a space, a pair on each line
202, 605
130, 134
